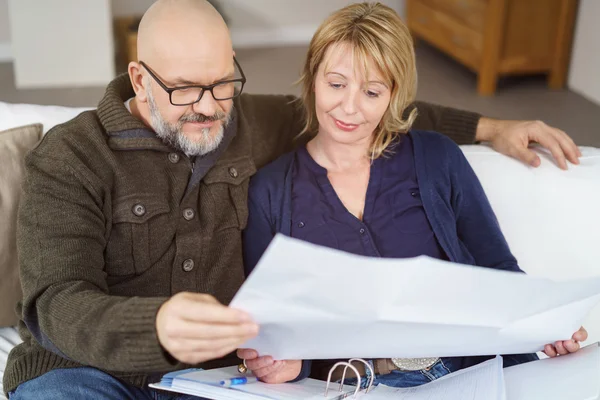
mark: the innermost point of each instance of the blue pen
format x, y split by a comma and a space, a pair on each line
242, 380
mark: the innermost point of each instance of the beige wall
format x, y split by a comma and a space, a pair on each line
259, 13
252, 13
63, 43
269, 22
4, 30
70, 59
264, 22
584, 74
123, 8
5, 48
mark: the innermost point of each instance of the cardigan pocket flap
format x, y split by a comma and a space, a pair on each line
138, 210
233, 172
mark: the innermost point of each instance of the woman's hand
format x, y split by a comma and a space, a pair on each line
268, 370
566, 346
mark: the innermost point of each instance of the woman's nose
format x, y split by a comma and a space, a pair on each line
349, 101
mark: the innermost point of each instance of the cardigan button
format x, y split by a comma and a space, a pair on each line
174, 158
300, 224
188, 265
189, 214
139, 210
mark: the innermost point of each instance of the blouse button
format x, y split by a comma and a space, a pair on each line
362, 231
300, 224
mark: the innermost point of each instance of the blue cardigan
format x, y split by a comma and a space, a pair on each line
454, 202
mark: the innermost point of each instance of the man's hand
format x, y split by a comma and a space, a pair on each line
195, 328
566, 346
268, 370
513, 138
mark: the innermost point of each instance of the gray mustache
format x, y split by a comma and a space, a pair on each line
201, 118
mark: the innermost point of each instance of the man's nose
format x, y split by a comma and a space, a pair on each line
207, 104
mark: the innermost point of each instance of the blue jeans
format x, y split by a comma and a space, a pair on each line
443, 367
409, 379
86, 383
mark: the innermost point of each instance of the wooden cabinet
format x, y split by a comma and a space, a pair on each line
499, 37
125, 30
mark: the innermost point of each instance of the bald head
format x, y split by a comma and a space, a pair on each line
184, 43
182, 29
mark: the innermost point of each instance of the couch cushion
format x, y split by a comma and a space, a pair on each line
550, 217
14, 115
14, 144
9, 338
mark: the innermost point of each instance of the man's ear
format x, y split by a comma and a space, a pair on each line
137, 81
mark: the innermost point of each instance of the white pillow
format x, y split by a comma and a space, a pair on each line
550, 217
14, 115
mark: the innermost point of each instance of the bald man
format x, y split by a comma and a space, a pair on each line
131, 217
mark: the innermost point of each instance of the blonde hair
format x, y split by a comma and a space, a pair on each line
374, 32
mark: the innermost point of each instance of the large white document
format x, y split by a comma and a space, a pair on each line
316, 303
484, 381
574, 377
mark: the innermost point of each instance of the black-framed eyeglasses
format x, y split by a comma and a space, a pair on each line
186, 95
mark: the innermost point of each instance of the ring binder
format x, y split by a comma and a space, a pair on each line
242, 368
368, 365
348, 364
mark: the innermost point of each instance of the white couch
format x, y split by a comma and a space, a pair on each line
551, 218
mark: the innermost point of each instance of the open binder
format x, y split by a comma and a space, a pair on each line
481, 382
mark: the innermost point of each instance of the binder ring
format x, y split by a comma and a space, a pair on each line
372, 378
342, 385
242, 368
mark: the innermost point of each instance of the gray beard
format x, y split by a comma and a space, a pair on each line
172, 134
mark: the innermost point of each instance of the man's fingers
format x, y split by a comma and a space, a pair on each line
527, 156
187, 356
203, 345
202, 308
551, 143
558, 142
193, 330
202, 356
247, 354
569, 147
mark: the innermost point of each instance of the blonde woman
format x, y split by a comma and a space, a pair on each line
365, 183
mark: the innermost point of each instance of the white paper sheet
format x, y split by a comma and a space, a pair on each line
313, 302
484, 381
573, 377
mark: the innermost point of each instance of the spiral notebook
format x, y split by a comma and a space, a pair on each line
481, 382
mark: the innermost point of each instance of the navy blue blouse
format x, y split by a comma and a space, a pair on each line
437, 192
394, 222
